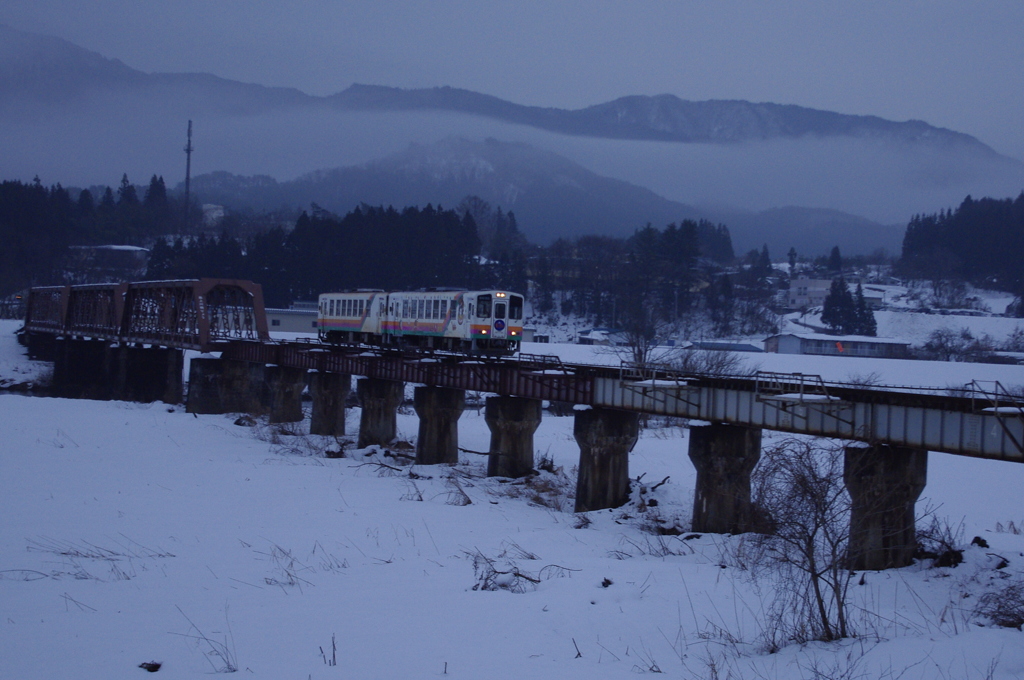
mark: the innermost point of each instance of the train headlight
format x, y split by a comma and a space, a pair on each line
484, 331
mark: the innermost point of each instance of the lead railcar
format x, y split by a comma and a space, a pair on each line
475, 322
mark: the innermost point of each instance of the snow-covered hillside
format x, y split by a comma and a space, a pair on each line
134, 533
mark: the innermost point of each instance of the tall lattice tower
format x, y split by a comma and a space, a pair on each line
188, 176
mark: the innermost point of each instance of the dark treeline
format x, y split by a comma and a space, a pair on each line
981, 242
600, 272
652, 277
474, 246
38, 224
370, 247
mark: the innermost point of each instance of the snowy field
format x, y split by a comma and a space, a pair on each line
134, 533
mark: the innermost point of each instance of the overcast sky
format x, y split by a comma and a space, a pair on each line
951, 63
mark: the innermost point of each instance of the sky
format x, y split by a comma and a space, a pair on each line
953, 64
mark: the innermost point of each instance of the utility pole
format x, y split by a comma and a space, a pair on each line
188, 175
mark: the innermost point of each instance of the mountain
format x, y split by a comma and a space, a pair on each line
55, 71
551, 196
73, 116
663, 117
812, 231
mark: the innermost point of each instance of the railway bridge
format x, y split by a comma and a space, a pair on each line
126, 341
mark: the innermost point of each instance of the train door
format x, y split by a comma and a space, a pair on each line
500, 324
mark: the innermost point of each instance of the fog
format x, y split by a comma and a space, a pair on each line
100, 140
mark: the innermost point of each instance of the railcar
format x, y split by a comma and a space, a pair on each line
475, 322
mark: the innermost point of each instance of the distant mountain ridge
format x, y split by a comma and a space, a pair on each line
551, 196
663, 117
53, 70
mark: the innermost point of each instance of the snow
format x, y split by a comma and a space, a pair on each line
937, 376
130, 531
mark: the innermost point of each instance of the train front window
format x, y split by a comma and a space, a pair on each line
499, 310
515, 308
483, 306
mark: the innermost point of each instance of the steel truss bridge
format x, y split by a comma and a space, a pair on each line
199, 314
986, 421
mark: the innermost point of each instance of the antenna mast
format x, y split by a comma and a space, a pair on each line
188, 174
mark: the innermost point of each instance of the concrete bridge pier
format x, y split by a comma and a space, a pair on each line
284, 393
605, 438
41, 346
884, 483
380, 400
146, 374
439, 409
225, 386
329, 392
724, 456
512, 421
82, 369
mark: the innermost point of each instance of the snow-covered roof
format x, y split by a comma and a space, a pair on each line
842, 338
111, 247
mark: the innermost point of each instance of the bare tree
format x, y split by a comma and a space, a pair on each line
798, 486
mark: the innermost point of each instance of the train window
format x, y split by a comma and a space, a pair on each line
421, 308
437, 309
515, 307
499, 310
362, 306
444, 308
483, 306
405, 309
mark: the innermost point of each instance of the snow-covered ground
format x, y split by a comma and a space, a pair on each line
135, 533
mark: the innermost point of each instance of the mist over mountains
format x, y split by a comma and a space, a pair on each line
73, 116
551, 196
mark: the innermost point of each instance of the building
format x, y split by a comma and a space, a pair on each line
603, 336
300, 317
805, 292
836, 345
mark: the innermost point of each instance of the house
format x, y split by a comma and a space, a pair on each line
603, 336
300, 317
805, 292
836, 345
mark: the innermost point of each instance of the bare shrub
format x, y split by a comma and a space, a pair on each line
582, 521
941, 542
798, 486
456, 494
552, 488
503, 572
710, 362
1003, 607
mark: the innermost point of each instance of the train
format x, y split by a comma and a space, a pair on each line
468, 322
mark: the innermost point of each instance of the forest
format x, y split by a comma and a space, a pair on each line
980, 242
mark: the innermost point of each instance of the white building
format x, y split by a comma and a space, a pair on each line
836, 345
